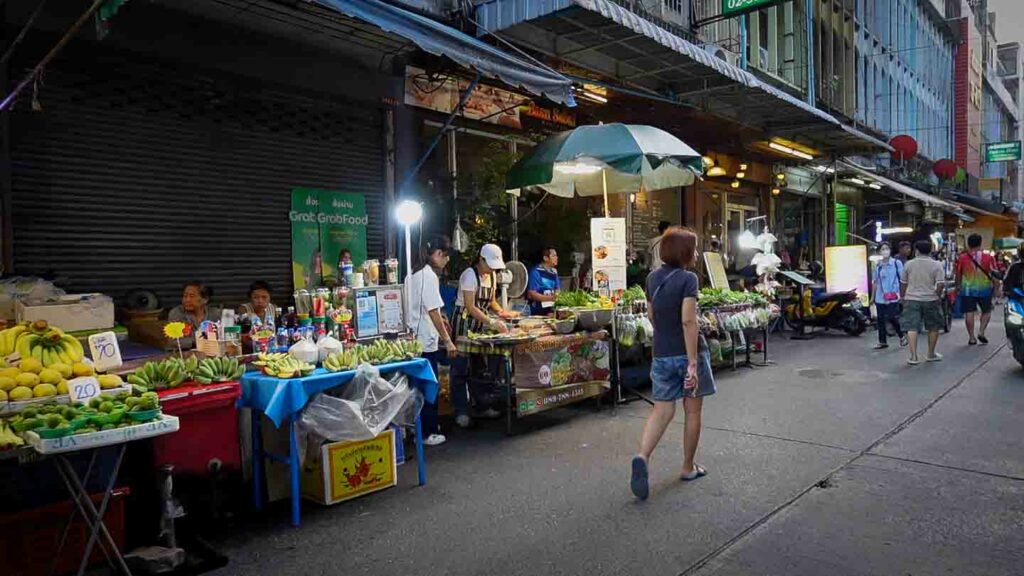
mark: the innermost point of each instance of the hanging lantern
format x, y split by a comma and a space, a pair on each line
945, 169
904, 147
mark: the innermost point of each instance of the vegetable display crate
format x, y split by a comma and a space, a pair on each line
164, 425
209, 428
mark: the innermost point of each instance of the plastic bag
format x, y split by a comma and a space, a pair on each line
30, 290
326, 346
305, 351
363, 408
627, 329
645, 330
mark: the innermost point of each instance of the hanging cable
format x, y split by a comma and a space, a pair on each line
24, 31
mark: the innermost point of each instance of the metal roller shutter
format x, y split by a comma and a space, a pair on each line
136, 175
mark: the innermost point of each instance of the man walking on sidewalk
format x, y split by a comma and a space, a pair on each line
921, 291
976, 284
887, 291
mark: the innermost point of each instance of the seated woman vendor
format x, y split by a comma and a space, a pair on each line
259, 302
194, 309
475, 308
544, 284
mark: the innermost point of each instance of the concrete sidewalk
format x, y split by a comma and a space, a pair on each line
838, 459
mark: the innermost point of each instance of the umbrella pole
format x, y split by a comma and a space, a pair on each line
604, 185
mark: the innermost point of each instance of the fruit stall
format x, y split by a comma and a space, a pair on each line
735, 323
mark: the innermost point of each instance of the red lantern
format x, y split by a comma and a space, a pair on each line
945, 169
905, 147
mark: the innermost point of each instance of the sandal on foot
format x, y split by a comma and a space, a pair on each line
982, 339
972, 342
913, 362
638, 482
697, 472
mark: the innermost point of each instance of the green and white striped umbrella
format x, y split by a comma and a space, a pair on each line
606, 159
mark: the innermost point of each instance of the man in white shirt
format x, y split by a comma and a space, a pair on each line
654, 245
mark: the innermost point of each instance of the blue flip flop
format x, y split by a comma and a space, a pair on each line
697, 472
638, 482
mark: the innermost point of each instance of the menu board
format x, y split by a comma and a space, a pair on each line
608, 253
366, 314
846, 268
716, 270
390, 311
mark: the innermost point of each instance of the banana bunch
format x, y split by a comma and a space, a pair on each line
283, 366
189, 366
380, 352
48, 344
159, 375
8, 439
219, 369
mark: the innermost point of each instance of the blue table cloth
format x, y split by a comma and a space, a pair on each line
279, 399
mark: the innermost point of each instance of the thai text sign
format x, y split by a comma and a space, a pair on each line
1002, 151
737, 7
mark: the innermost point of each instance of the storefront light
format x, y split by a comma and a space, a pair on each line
776, 191
716, 171
825, 169
741, 175
791, 151
708, 161
735, 184
780, 176
743, 167
408, 213
875, 185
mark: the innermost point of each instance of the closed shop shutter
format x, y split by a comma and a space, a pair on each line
136, 175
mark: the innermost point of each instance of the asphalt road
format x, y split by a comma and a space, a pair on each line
837, 460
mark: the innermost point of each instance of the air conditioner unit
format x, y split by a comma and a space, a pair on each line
722, 54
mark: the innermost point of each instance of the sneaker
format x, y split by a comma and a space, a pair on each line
463, 421
881, 346
936, 358
489, 414
435, 440
904, 341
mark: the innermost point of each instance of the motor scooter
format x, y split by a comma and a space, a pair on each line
1013, 321
832, 310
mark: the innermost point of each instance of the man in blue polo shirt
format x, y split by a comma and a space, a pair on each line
544, 284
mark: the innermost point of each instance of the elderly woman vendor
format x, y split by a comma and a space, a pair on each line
194, 309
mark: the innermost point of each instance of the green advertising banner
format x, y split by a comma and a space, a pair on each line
736, 7
1002, 152
324, 223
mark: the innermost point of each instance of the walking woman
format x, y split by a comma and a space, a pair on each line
681, 368
476, 301
423, 295
886, 280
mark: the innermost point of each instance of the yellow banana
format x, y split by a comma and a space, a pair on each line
63, 356
24, 345
45, 353
75, 350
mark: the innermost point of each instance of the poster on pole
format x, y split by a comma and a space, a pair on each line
846, 268
325, 222
608, 245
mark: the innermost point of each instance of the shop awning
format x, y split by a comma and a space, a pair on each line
441, 40
923, 197
606, 38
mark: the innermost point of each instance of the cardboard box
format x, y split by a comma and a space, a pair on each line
341, 471
74, 312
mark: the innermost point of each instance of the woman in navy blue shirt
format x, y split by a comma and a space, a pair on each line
544, 284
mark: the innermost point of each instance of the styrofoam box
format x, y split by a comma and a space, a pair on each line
164, 425
74, 313
13, 407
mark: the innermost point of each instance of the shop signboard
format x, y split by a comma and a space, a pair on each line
716, 270
846, 268
554, 362
1002, 151
732, 8
608, 245
533, 401
442, 92
325, 222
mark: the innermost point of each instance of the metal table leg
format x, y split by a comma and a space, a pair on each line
71, 520
257, 459
510, 409
92, 516
293, 468
421, 462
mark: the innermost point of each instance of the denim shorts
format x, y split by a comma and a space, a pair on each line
668, 373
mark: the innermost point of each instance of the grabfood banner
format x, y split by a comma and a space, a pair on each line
324, 223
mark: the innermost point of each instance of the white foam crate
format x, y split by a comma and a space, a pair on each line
164, 425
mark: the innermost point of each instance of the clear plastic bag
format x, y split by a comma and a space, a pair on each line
627, 329
645, 330
363, 408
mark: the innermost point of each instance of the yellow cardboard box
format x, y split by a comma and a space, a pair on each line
341, 471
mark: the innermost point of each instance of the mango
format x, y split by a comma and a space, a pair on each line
30, 365
49, 376
44, 391
82, 369
108, 381
7, 384
11, 373
62, 387
27, 379
64, 369
20, 393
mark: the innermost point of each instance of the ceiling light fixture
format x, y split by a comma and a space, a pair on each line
741, 175
735, 184
856, 181
791, 151
875, 185
716, 171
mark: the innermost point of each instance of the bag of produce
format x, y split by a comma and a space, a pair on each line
644, 330
305, 351
627, 329
715, 349
326, 346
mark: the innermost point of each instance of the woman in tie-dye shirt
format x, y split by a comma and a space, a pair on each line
976, 286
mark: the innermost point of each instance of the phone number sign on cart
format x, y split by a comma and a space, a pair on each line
536, 400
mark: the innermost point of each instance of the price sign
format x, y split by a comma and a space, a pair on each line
83, 389
106, 353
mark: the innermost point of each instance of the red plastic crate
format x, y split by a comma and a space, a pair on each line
209, 428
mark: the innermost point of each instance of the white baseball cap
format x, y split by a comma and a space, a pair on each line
491, 254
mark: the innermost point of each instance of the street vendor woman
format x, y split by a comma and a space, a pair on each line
194, 309
543, 286
477, 297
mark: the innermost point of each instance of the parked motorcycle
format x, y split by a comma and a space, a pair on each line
833, 310
1013, 321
